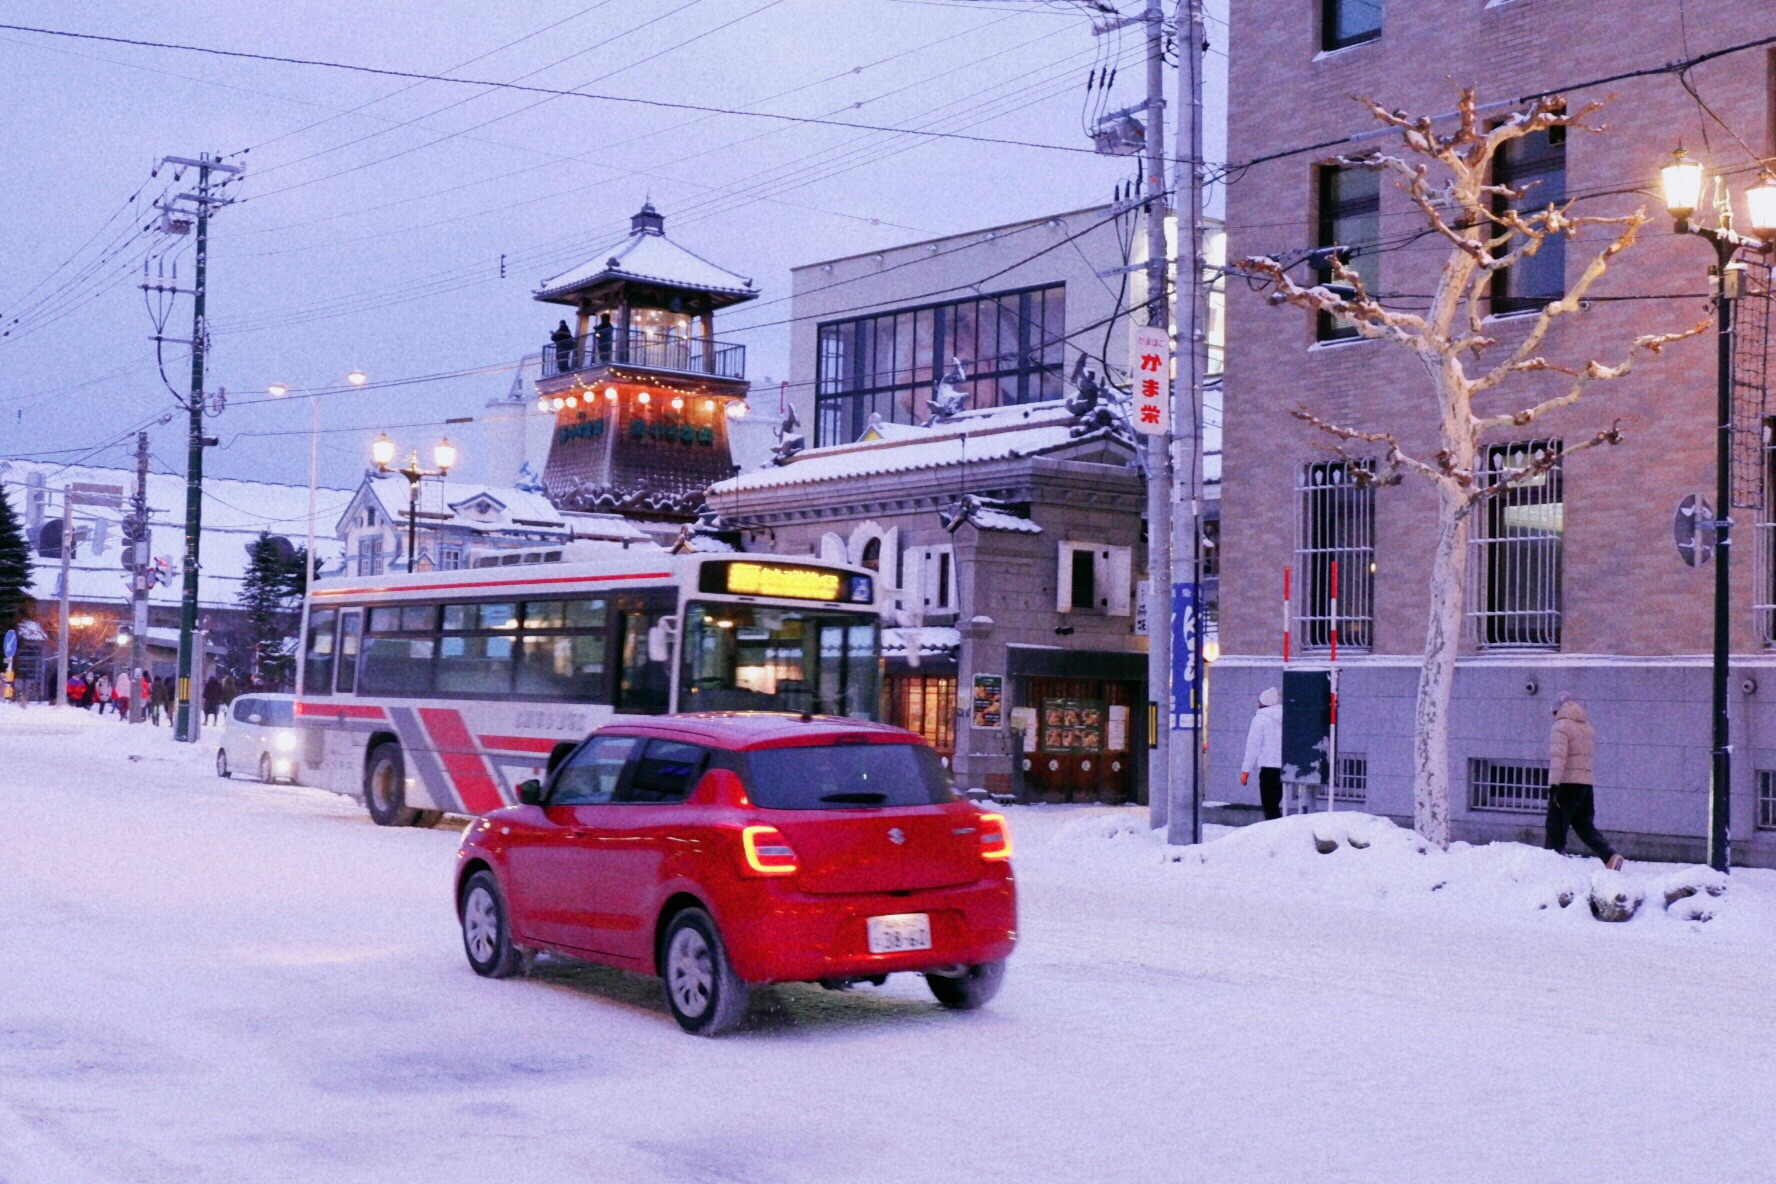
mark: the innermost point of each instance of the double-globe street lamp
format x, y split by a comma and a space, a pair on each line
278, 390
1682, 182
443, 455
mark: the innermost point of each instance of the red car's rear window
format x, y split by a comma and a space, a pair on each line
847, 776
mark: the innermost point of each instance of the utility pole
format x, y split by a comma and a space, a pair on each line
1159, 448
1184, 823
67, 554
184, 720
138, 540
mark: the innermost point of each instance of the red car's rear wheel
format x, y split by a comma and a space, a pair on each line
706, 997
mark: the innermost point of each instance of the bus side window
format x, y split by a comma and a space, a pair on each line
346, 674
645, 687
317, 666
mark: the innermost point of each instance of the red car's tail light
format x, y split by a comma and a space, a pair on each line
995, 837
767, 852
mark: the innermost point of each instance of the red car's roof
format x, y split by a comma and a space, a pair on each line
738, 730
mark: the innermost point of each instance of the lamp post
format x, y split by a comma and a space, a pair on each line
443, 455
1682, 184
278, 390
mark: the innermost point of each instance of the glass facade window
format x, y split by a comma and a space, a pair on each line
1350, 220
1009, 346
1535, 165
1349, 22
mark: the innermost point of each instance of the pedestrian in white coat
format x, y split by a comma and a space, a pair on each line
1264, 752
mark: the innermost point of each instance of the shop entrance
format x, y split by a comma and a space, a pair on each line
1081, 749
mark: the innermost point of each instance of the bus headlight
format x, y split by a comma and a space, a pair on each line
285, 741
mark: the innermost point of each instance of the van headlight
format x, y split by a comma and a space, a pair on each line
286, 741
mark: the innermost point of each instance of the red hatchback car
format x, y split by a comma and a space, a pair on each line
724, 851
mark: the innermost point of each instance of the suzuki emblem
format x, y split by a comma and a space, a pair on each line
896, 835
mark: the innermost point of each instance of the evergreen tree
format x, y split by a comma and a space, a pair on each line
15, 568
271, 594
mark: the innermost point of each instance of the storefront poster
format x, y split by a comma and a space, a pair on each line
1117, 735
1072, 725
1023, 719
989, 700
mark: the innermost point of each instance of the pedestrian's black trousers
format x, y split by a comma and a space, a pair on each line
1270, 792
1571, 804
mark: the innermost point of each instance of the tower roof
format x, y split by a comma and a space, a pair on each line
647, 256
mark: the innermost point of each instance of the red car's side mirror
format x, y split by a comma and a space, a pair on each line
530, 793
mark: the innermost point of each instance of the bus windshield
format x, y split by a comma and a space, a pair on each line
744, 657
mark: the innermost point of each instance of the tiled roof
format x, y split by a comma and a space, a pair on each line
654, 258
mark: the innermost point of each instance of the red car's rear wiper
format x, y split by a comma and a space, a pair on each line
856, 799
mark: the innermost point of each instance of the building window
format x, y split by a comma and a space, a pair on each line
1763, 601
1518, 539
1349, 22
1766, 815
370, 556
925, 704
450, 556
936, 576
1350, 783
1519, 787
1336, 526
1008, 345
1535, 165
1094, 578
872, 555
1349, 220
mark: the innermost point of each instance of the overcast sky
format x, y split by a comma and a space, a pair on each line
374, 212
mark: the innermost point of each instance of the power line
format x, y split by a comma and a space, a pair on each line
541, 90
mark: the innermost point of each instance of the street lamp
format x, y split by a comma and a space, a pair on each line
1682, 184
444, 456
278, 390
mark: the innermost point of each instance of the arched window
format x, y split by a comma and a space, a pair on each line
872, 554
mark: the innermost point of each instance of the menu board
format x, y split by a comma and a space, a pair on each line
989, 700
1072, 725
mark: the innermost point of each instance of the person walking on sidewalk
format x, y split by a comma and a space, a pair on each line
1572, 761
1264, 752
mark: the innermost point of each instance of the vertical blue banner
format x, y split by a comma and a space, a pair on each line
1186, 655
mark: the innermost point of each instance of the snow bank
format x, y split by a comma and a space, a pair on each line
1363, 861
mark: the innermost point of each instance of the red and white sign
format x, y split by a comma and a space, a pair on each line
1150, 373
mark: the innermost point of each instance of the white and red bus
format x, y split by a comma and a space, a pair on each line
439, 692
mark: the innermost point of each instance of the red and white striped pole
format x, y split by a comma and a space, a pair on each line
1333, 598
1285, 616
1332, 678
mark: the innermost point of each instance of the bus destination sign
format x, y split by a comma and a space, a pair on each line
786, 582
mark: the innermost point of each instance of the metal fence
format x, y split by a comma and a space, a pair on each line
1350, 783
1520, 787
1336, 524
647, 350
1518, 540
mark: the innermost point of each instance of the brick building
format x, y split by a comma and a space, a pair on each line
1576, 583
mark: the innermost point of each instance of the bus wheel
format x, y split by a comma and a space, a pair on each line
385, 794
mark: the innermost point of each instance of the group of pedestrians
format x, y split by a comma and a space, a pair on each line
99, 690
1572, 772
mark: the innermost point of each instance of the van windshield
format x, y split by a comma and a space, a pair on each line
847, 776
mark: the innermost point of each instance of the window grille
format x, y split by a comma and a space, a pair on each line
1766, 815
1516, 786
1349, 219
1517, 538
1349, 22
1336, 525
1351, 782
1536, 165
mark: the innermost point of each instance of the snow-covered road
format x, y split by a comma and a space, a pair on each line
207, 980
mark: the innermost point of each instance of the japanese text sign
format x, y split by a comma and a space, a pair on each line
1150, 374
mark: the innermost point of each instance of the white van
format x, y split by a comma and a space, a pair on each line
259, 734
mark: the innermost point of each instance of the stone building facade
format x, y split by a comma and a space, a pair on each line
1577, 585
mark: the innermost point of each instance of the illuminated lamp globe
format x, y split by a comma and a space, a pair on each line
1682, 183
357, 378
737, 408
610, 393
1760, 202
277, 390
643, 398
709, 405
678, 403
382, 451
444, 455
542, 404
572, 402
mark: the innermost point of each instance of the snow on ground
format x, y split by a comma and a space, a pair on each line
215, 980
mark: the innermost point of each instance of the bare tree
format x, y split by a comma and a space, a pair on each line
1449, 178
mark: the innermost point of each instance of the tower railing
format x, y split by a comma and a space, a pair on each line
640, 348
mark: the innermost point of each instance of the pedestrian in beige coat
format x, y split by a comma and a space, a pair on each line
1572, 773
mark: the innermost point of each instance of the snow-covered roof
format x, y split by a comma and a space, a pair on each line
586, 525
997, 433
1002, 520
234, 515
648, 255
444, 502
